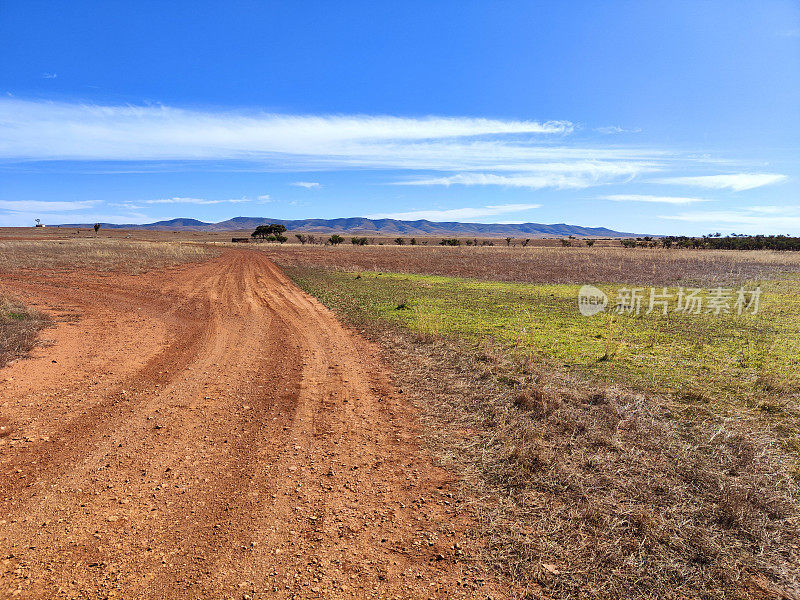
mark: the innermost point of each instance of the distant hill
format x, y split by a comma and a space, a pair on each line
362, 225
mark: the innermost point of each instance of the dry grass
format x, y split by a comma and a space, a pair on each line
19, 327
594, 492
98, 254
542, 264
580, 489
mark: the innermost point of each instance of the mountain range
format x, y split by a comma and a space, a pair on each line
362, 225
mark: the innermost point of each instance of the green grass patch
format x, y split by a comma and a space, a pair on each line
749, 360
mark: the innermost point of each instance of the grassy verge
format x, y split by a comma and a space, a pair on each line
19, 327
666, 470
706, 360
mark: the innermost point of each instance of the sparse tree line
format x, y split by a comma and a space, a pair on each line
716, 241
273, 232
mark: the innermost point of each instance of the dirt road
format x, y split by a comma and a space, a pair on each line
210, 431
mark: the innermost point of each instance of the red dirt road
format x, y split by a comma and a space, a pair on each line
210, 431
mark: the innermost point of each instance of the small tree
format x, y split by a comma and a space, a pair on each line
508, 241
96, 227
311, 239
335, 239
301, 238
565, 243
359, 241
280, 238
413, 241
399, 241
590, 243
263, 232
526, 242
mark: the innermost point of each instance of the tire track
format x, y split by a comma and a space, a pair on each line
210, 431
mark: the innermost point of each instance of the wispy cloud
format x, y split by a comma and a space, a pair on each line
612, 129
46, 130
49, 75
45, 206
654, 199
264, 198
564, 175
181, 200
127, 205
737, 182
170, 136
774, 210
765, 219
456, 214
446, 150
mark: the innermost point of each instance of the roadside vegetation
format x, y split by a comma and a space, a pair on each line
19, 327
621, 455
100, 254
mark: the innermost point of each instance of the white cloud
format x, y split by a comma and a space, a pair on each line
763, 219
526, 181
127, 205
264, 198
47, 130
44, 206
454, 150
737, 182
655, 199
612, 129
180, 200
49, 75
60, 131
774, 210
564, 175
456, 214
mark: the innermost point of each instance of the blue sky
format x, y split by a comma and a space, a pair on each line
654, 117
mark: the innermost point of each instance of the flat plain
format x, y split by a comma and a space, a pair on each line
183, 418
